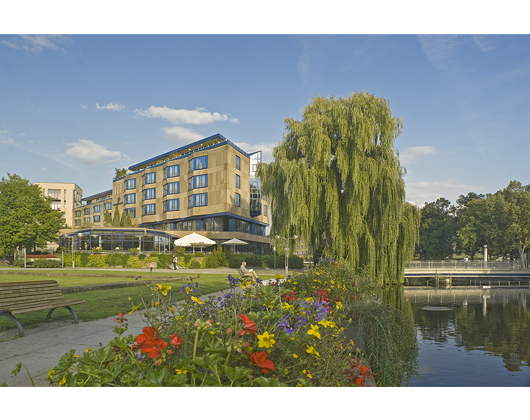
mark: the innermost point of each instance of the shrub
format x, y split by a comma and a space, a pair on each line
199, 254
97, 260
19, 262
218, 258
113, 259
60, 249
84, 259
179, 250
97, 250
235, 260
46, 263
164, 260
124, 259
135, 261
141, 257
194, 264
187, 258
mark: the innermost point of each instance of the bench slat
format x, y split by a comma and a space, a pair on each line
43, 307
27, 284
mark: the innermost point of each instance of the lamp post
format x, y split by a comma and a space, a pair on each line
485, 256
286, 252
73, 252
80, 236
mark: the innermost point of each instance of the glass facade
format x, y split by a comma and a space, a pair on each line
149, 194
198, 163
172, 188
198, 200
199, 181
129, 199
130, 184
119, 240
172, 171
148, 209
171, 205
149, 178
255, 185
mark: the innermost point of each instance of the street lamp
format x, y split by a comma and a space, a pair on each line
286, 252
80, 236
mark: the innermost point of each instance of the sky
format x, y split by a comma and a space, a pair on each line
74, 107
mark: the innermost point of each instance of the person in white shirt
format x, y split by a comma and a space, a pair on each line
247, 273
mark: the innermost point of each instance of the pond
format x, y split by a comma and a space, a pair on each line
469, 337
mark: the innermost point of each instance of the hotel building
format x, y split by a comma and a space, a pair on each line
66, 197
209, 187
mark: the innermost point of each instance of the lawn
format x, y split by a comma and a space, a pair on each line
104, 303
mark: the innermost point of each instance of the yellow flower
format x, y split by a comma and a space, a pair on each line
309, 299
287, 306
134, 309
266, 340
292, 338
50, 373
339, 305
327, 323
172, 309
286, 371
62, 381
193, 298
76, 356
157, 303
87, 350
311, 350
314, 331
179, 317
163, 288
307, 373
181, 372
295, 356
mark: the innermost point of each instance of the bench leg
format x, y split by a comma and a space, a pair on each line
16, 321
48, 318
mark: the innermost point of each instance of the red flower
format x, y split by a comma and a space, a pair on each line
289, 296
120, 318
260, 360
153, 346
248, 325
149, 333
176, 340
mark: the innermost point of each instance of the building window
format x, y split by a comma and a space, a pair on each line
77, 222
97, 209
237, 200
78, 213
86, 211
172, 171
96, 218
130, 184
198, 200
86, 219
108, 206
198, 163
131, 212
172, 188
149, 194
238, 163
200, 181
129, 199
265, 210
148, 209
149, 178
171, 205
54, 194
56, 205
238, 181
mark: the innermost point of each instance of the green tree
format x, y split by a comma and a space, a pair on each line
120, 172
26, 217
460, 211
518, 216
437, 230
107, 219
336, 181
116, 218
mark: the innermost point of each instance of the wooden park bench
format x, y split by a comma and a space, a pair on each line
31, 296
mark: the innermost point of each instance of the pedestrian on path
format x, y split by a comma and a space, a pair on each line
175, 260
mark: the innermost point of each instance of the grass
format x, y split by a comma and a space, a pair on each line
104, 303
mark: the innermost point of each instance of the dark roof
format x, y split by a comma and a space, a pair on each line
98, 195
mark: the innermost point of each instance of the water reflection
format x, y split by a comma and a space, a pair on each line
469, 336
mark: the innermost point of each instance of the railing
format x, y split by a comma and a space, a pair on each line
505, 265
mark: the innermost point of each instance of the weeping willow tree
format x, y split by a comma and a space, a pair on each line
336, 181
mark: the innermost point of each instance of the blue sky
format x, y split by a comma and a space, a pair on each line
74, 107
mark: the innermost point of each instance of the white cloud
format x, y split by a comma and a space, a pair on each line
3, 131
91, 153
83, 106
181, 135
36, 43
22, 134
185, 116
10, 142
413, 153
266, 149
110, 106
427, 192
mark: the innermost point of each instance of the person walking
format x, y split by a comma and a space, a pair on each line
175, 266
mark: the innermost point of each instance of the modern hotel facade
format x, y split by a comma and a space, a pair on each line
209, 187
66, 198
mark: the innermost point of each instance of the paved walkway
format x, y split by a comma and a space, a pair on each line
41, 347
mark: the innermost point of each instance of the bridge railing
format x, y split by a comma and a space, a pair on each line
506, 265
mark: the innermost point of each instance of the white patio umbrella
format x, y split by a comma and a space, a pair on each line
235, 242
194, 239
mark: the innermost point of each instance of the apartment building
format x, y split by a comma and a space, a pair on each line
66, 197
209, 187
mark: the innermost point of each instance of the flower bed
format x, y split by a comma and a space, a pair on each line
290, 333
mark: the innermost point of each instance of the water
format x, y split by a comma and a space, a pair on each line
470, 337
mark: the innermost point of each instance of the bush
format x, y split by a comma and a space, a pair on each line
45, 263
113, 259
164, 260
194, 264
218, 258
97, 260
199, 254
19, 262
84, 259
187, 258
124, 259
135, 261
142, 257
235, 260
